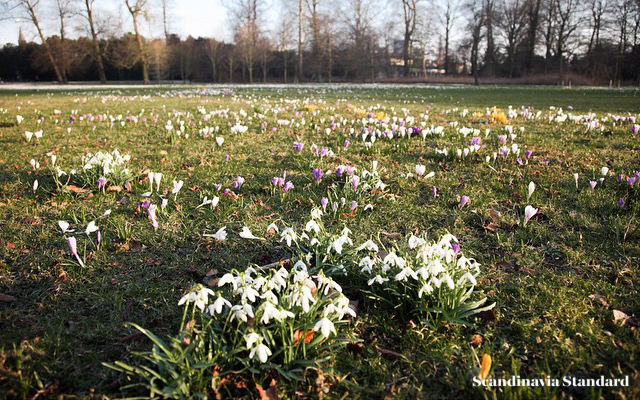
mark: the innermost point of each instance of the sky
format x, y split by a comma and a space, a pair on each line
207, 18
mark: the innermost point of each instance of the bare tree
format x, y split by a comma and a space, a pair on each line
63, 7
512, 25
28, 10
533, 8
477, 13
98, 54
410, 14
247, 31
448, 13
135, 9
490, 57
568, 20
212, 49
299, 71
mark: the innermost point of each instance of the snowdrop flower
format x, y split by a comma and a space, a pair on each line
228, 278
250, 294
339, 243
252, 339
274, 227
289, 235
393, 259
406, 271
316, 213
532, 188
241, 312
426, 288
368, 245
312, 226
415, 241
216, 307
366, 264
246, 234
325, 326
377, 279
529, 212
262, 351
91, 228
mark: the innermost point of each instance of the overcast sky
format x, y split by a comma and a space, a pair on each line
207, 18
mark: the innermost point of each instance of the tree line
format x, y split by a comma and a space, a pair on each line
331, 40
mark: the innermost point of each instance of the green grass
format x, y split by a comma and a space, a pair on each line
67, 320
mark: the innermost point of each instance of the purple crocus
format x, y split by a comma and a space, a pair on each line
354, 205
475, 140
317, 174
528, 153
227, 158
297, 146
434, 190
287, 186
456, 247
102, 182
502, 139
621, 202
340, 170
238, 182
464, 200
635, 129
631, 180
355, 181
346, 144
324, 203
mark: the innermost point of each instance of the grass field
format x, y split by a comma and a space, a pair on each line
564, 280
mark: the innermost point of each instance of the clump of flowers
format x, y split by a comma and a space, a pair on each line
110, 167
253, 322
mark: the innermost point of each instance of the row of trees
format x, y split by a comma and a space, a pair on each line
325, 40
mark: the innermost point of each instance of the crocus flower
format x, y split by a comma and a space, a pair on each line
238, 182
92, 227
176, 187
346, 144
246, 234
317, 174
464, 200
354, 205
528, 153
287, 186
35, 185
631, 180
456, 247
71, 241
434, 190
575, 176
297, 146
152, 216
102, 182
64, 226
635, 129
532, 188
227, 158
355, 181
324, 203
621, 202
219, 140
604, 171
529, 212
593, 184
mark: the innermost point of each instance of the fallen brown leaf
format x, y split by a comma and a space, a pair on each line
77, 190
114, 188
271, 393
600, 299
6, 298
297, 336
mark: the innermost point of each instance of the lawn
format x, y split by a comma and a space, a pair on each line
402, 166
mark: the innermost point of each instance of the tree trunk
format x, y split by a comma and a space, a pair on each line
145, 63
97, 53
34, 19
299, 73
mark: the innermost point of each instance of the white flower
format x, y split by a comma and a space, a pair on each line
176, 187
219, 140
217, 305
228, 278
316, 213
415, 241
420, 169
246, 234
157, 177
64, 226
325, 326
252, 339
28, 135
91, 228
368, 245
366, 264
393, 259
220, 235
272, 226
289, 235
262, 351
241, 312
250, 294
164, 204
430, 175
426, 288
529, 212
377, 279
604, 171
407, 271
35, 185
312, 226
339, 243
575, 176
532, 188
